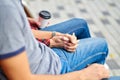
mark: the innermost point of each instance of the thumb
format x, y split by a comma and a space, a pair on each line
38, 23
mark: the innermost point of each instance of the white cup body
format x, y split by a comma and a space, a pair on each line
44, 22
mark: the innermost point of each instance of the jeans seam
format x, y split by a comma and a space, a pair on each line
76, 29
87, 60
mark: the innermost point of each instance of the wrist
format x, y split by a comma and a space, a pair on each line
53, 34
51, 43
82, 75
58, 33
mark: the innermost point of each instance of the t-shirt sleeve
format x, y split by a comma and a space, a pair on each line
11, 32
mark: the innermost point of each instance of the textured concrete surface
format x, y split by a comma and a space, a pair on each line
103, 17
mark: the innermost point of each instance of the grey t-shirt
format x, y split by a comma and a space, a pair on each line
16, 36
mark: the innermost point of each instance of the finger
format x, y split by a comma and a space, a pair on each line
106, 73
58, 39
64, 39
36, 22
70, 48
71, 44
71, 51
71, 38
74, 38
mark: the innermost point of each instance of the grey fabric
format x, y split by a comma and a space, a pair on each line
15, 34
11, 37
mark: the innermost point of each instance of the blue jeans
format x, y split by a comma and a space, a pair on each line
90, 50
113, 78
76, 25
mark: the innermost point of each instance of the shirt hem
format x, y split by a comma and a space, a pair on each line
10, 54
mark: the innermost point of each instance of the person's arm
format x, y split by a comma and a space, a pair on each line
93, 72
33, 22
45, 34
56, 41
17, 68
38, 33
42, 34
49, 38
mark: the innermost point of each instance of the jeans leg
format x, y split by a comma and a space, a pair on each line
114, 78
76, 25
90, 50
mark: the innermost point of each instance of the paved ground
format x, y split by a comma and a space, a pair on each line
103, 17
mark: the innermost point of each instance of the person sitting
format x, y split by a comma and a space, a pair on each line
22, 57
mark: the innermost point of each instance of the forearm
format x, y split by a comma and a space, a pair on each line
42, 34
16, 67
68, 76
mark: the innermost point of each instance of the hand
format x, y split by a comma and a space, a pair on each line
70, 46
66, 41
57, 41
72, 42
95, 72
33, 22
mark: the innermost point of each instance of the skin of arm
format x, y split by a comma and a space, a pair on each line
17, 68
72, 44
38, 33
56, 41
42, 34
66, 41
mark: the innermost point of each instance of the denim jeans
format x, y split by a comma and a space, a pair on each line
112, 78
89, 50
76, 25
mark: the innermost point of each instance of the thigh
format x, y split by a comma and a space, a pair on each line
91, 50
114, 78
63, 27
75, 25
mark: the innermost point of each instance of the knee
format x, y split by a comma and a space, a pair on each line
80, 21
103, 44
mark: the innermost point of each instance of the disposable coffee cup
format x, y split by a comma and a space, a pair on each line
44, 17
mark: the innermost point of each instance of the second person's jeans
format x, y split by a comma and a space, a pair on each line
76, 25
89, 50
